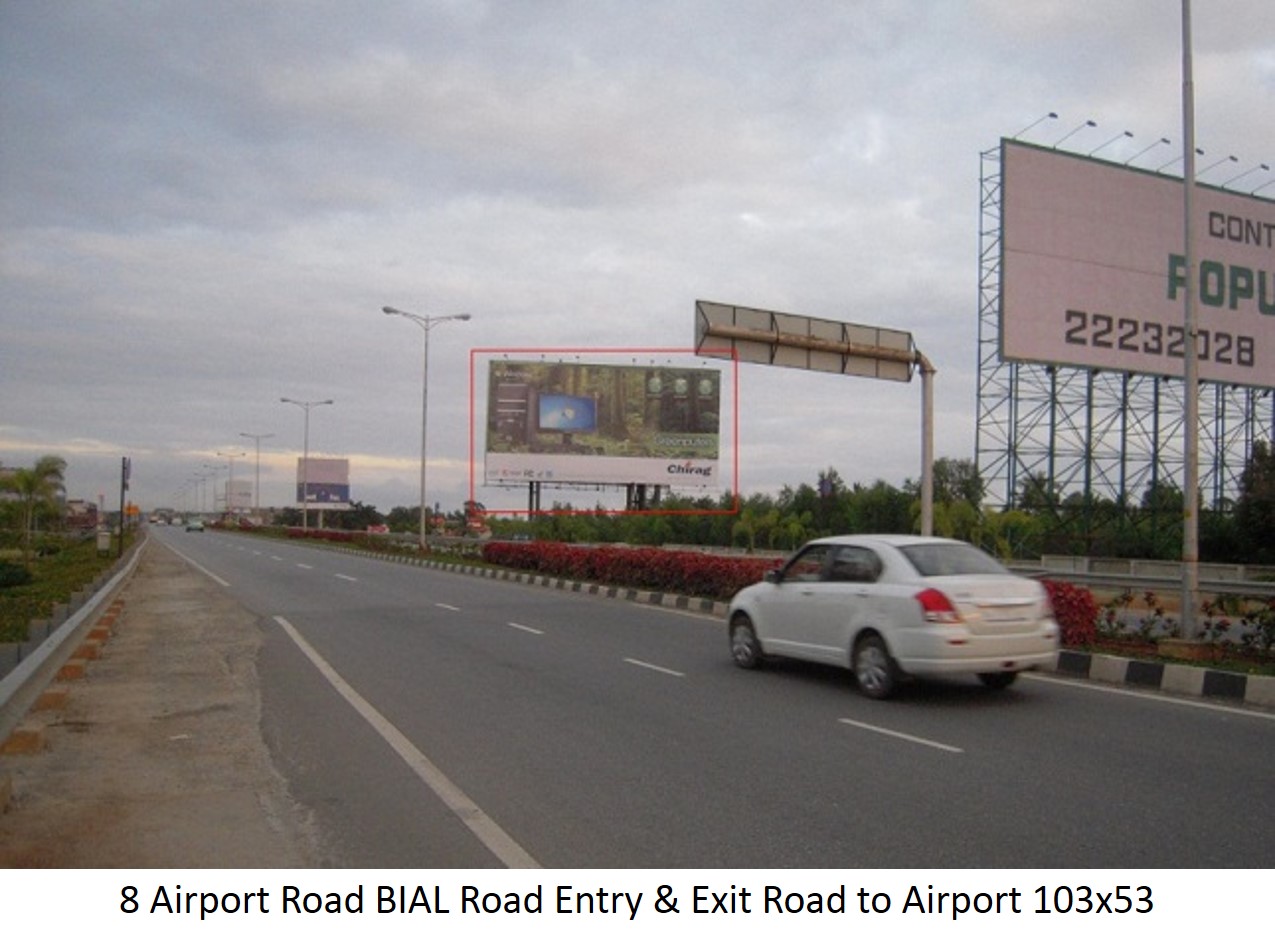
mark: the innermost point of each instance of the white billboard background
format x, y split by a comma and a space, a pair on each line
326, 481
1087, 250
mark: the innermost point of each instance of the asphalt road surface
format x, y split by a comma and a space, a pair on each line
419, 717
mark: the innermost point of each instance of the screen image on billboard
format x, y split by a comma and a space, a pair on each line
1093, 270
567, 413
602, 424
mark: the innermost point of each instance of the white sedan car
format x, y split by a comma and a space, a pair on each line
890, 606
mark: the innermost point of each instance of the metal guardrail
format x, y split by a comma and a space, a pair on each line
1246, 589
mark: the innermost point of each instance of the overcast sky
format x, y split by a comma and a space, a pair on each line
205, 206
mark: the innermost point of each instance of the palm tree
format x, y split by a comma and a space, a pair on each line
35, 487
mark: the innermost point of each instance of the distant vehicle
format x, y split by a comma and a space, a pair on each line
892, 606
195, 525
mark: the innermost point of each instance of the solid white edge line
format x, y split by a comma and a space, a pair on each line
199, 567
902, 735
1116, 689
501, 845
655, 668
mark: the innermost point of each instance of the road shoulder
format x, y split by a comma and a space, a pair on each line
155, 757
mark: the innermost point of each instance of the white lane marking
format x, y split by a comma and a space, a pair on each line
902, 735
342, 576
655, 668
1149, 696
492, 836
527, 629
305, 566
200, 567
448, 606
275, 557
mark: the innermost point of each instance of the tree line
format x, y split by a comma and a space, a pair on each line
1040, 521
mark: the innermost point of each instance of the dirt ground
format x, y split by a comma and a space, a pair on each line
157, 758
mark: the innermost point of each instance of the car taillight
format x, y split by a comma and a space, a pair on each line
936, 607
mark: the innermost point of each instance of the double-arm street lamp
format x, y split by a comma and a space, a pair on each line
425, 323
305, 458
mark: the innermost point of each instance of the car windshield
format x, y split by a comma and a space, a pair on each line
946, 560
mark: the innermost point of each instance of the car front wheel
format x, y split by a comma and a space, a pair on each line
744, 647
874, 669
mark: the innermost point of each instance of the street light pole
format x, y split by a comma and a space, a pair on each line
212, 475
256, 493
230, 478
305, 458
425, 323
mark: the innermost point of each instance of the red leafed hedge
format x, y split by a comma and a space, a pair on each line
648, 568
1076, 611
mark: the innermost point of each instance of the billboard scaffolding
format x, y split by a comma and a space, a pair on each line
1062, 411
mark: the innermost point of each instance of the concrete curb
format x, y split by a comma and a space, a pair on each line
1168, 677
1173, 678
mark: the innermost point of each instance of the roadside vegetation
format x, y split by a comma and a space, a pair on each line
60, 567
34, 575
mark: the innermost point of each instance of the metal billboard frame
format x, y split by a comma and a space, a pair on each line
771, 338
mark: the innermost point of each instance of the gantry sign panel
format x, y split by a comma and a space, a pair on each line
803, 342
1093, 272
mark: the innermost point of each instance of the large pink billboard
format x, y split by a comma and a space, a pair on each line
1093, 272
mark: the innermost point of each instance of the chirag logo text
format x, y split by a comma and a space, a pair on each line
690, 468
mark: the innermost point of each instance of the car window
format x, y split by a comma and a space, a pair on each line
854, 565
947, 560
807, 566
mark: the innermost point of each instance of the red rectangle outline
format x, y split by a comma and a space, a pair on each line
614, 351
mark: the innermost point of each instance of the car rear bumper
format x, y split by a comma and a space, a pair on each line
939, 650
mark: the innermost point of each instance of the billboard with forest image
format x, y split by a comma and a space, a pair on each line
572, 422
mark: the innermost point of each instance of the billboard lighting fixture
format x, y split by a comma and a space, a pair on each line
1113, 139
1244, 174
1176, 159
1161, 141
1047, 115
1087, 124
1220, 161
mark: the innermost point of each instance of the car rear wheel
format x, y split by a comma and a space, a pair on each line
997, 680
744, 647
874, 669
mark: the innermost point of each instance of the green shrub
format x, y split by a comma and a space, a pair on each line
13, 574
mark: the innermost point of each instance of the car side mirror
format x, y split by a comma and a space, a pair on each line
771, 576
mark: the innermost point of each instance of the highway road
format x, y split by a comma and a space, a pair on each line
431, 718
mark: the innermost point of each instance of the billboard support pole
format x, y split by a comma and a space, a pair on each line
1191, 383
927, 445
